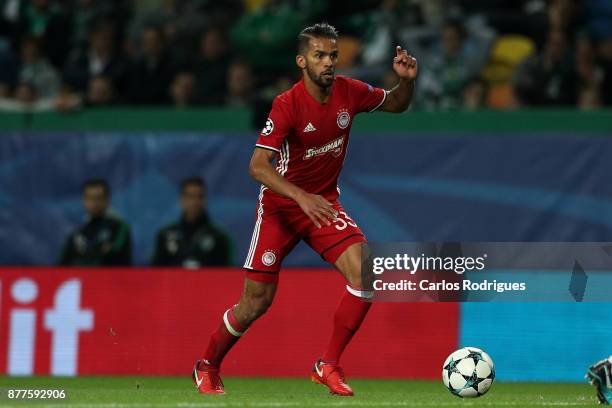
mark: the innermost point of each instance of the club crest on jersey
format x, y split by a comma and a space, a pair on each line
268, 258
334, 147
343, 119
268, 127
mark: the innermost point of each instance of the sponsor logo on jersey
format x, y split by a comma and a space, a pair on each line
343, 119
268, 127
334, 147
268, 258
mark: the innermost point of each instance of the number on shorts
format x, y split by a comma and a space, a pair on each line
341, 224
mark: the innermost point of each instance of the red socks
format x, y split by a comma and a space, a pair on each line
222, 339
348, 317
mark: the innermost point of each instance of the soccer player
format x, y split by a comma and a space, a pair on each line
600, 376
307, 133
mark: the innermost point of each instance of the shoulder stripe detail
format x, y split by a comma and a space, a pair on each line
286, 151
381, 102
268, 148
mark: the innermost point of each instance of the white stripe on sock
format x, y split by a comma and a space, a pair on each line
364, 294
229, 326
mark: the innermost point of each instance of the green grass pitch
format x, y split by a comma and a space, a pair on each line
142, 392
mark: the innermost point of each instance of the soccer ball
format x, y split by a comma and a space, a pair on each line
468, 372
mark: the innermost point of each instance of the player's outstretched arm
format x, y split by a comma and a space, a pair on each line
406, 68
318, 209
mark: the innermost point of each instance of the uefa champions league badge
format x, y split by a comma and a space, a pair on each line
343, 119
268, 258
268, 128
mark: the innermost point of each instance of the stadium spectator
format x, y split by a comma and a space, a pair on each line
434, 13
150, 41
212, 65
86, 13
549, 77
194, 241
100, 91
182, 89
564, 15
605, 59
25, 93
104, 240
589, 98
25, 100
265, 38
36, 70
179, 20
475, 94
240, 85
384, 26
98, 59
505, 16
48, 20
453, 62
150, 74
590, 72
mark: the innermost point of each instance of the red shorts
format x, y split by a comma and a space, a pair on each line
278, 230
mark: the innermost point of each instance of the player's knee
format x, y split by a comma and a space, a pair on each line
261, 305
257, 305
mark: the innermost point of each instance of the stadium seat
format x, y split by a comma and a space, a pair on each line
507, 53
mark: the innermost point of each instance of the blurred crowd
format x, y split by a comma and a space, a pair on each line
473, 54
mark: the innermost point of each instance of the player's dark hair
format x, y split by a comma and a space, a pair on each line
319, 30
96, 182
193, 181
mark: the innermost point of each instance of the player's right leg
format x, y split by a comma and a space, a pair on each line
272, 239
255, 300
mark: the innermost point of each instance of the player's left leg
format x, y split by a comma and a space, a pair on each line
353, 305
341, 245
349, 315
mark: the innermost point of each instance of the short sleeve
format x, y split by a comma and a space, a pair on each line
366, 97
277, 126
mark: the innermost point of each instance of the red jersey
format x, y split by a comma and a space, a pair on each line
311, 138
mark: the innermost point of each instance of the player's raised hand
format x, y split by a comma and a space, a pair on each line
318, 209
404, 65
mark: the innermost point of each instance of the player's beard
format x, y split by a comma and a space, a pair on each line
320, 80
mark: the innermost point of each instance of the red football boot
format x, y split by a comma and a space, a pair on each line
206, 378
332, 376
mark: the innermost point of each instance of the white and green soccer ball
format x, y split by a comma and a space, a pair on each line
468, 372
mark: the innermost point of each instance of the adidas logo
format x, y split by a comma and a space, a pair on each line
309, 128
